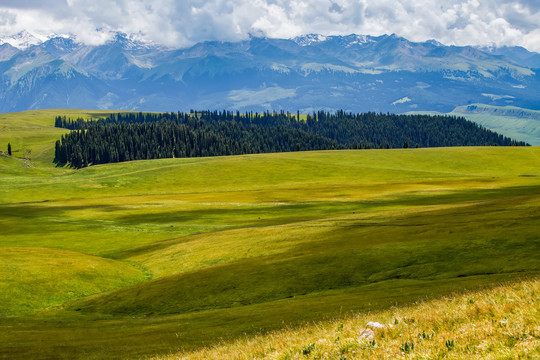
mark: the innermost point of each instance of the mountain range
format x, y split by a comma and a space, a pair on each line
356, 73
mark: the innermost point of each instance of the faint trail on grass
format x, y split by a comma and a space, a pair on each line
106, 176
137, 171
387, 168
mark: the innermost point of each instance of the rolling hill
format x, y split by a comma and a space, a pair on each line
487, 324
164, 256
516, 122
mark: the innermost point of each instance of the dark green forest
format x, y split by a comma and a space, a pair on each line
137, 136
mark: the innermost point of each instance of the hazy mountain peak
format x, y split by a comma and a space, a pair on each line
517, 54
309, 39
358, 39
7, 51
23, 39
132, 41
127, 42
434, 43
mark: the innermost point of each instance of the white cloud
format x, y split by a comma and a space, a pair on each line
7, 18
182, 23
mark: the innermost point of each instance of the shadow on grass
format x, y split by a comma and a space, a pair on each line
294, 213
79, 336
492, 238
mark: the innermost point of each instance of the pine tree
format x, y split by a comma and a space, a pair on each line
138, 136
57, 151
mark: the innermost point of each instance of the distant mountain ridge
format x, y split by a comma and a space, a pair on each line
24, 39
499, 111
355, 72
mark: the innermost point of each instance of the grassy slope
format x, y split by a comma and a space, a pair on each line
239, 244
511, 121
516, 123
33, 278
348, 252
501, 323
32, 132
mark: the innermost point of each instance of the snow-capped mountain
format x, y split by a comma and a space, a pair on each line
24, 39
309, 39
354, 72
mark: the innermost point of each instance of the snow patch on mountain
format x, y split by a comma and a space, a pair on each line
143, 63
358, 40
434, 43
247, 97
402, 100
316, 67
309, 39
280, 68
495, 97
23, 40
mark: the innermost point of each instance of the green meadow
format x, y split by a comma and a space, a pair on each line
150, 258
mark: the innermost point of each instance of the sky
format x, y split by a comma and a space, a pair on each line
185, 22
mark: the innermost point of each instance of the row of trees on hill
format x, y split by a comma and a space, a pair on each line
136, 136
117, 142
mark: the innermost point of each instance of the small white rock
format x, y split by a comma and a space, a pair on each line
367, 334
375, 325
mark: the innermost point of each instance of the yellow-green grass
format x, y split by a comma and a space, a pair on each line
224, 246
501, 323
239, 267
138, 202
34, 278
31, 133
57, 334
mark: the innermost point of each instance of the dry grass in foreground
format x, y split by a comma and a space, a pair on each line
500, 323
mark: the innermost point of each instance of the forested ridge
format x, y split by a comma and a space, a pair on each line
137, 136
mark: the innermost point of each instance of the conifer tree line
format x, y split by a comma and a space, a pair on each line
137, 136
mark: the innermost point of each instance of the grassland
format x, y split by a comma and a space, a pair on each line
516, 123
155, 257
31, 132
500, 323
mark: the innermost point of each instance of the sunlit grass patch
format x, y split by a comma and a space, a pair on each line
492, 324
32, 278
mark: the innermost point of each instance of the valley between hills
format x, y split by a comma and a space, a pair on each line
164, 257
